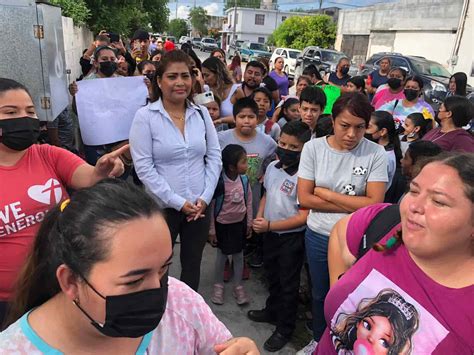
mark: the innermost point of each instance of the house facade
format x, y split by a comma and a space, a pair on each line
253, 24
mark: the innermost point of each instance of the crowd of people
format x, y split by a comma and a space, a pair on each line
355, 183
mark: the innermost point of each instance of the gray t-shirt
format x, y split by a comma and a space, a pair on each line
343, 172
281, 202
260, 152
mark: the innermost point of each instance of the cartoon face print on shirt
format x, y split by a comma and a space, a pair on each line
359, 171
380, 318
349, 189
287, 187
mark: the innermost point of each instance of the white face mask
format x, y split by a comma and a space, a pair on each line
412, 134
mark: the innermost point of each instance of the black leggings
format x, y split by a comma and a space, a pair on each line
193, 236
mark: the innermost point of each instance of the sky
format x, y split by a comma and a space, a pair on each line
181, 7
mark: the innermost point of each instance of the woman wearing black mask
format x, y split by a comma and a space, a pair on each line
34, 178
413, 102
148, 70
393, 90
97, 282
341, 75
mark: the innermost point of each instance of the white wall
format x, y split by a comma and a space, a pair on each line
465, 62
436, 46
76, 39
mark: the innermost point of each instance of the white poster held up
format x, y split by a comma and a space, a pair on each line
106, 107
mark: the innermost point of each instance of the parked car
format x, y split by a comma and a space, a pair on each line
252, 50
184, 39
234, 47
435, 77
208, 44
289, 56
324, 59
196, 42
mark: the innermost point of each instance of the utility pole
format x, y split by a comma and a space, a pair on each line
176, 10
235, 22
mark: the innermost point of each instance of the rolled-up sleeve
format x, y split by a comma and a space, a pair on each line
213, 158
141, 147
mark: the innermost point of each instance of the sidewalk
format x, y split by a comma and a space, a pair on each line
234, 316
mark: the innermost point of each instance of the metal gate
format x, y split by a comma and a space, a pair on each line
355, 46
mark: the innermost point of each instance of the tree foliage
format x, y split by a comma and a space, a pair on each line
302, 31
253, 4
199, 20
75, 9
178, 27
126, 16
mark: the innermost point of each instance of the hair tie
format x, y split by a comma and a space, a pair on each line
64, 205
426, 114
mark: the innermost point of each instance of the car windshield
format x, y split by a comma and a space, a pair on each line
209, 40
427, 67
331, 56
294, 54
258, 47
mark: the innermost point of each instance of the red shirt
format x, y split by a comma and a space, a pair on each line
27, 191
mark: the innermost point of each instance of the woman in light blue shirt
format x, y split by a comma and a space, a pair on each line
177, 156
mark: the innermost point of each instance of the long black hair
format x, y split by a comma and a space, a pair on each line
10, 84
460, 79
419, 120
384, 119
75, 237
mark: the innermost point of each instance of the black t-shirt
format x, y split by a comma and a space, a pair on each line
339, 82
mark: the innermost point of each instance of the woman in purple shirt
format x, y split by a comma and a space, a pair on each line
280, 76
411, 294
453, 115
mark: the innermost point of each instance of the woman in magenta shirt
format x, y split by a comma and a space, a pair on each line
415, 295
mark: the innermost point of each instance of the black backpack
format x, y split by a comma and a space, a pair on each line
381, 224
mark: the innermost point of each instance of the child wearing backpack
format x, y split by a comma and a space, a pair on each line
284, 224
231, 220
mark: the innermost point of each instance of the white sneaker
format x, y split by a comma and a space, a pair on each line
308, 349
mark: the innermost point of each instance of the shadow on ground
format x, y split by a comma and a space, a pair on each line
234, 316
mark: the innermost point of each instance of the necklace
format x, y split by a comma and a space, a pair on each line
179, 117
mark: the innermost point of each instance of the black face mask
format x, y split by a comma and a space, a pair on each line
131, 315
288, 157
394, 83
410, 94
344, 70
19, 133
156, 63
107, 68
371, 138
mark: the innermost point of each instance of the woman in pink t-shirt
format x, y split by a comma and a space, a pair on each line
413, 293
33, 179
393, 90
97, 282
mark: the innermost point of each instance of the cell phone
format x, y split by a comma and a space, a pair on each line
204, 98
114, 37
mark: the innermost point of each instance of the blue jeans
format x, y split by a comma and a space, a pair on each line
317, 253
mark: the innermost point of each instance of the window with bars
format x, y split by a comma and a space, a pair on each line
259, 19
283, 18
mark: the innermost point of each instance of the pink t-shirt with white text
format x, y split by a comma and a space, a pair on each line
386, 304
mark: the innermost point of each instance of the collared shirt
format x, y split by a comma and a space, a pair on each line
174, 168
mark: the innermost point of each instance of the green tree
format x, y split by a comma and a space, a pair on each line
124, 17
178, 27
300, 32
75, 9
253, 4
199, 20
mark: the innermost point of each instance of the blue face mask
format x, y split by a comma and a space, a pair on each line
131, 315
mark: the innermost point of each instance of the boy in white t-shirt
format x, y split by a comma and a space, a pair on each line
283, 245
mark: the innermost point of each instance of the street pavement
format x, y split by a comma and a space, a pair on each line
234, 316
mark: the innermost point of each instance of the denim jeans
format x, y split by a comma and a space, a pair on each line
317, 253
